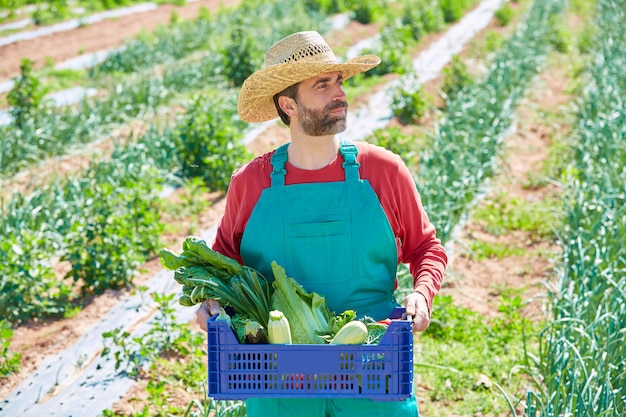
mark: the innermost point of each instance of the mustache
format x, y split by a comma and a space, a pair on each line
337, 105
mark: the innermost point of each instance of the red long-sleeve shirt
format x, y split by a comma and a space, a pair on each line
392, 182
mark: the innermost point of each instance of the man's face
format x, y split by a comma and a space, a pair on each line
322, 106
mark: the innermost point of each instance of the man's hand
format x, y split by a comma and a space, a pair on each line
207, 309
416, 306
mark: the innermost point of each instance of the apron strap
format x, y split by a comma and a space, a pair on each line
350, 165
278, 161
347, 149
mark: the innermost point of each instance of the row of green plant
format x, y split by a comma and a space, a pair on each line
461, 155
40, 130
53, 11
419, 17
581, 365
105, 222
236, 35
467, 140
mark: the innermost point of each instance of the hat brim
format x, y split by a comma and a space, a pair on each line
256, 103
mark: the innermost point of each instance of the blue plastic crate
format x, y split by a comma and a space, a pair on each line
380, 372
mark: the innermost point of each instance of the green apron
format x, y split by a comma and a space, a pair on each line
334, 239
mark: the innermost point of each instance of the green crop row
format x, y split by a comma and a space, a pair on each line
582, 362
242, 29
463, 154
467, 140
105, 222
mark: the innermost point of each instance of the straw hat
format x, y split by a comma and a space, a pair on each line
293, 59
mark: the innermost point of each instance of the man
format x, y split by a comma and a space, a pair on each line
338, 216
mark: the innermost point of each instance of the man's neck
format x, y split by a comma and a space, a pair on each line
312, 152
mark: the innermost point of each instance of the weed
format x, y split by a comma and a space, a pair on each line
9, 361
26, 95
132, 355
504, 213
409, 105
481, 250
470, 353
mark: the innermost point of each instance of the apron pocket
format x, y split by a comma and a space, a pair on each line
319, 248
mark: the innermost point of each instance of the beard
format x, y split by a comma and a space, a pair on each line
319, 122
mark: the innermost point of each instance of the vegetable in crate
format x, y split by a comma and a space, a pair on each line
353, 333
307, 313
223, 316
375, 330
310, 319
254, 333
207, 274
278, 329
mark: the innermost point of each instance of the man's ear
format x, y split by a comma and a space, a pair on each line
288, 105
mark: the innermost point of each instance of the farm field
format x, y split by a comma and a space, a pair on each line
518, 151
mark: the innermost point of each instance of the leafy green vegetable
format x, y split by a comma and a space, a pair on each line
206, 274
375, 330
199, 246
307, 313
239, 326
336, 323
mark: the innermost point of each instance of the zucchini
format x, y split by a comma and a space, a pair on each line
352, 333
278, 330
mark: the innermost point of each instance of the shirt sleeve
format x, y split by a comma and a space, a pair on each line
227, 239
421, 248
246, 185
417, 242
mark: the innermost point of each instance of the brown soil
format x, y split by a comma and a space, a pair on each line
474, 284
